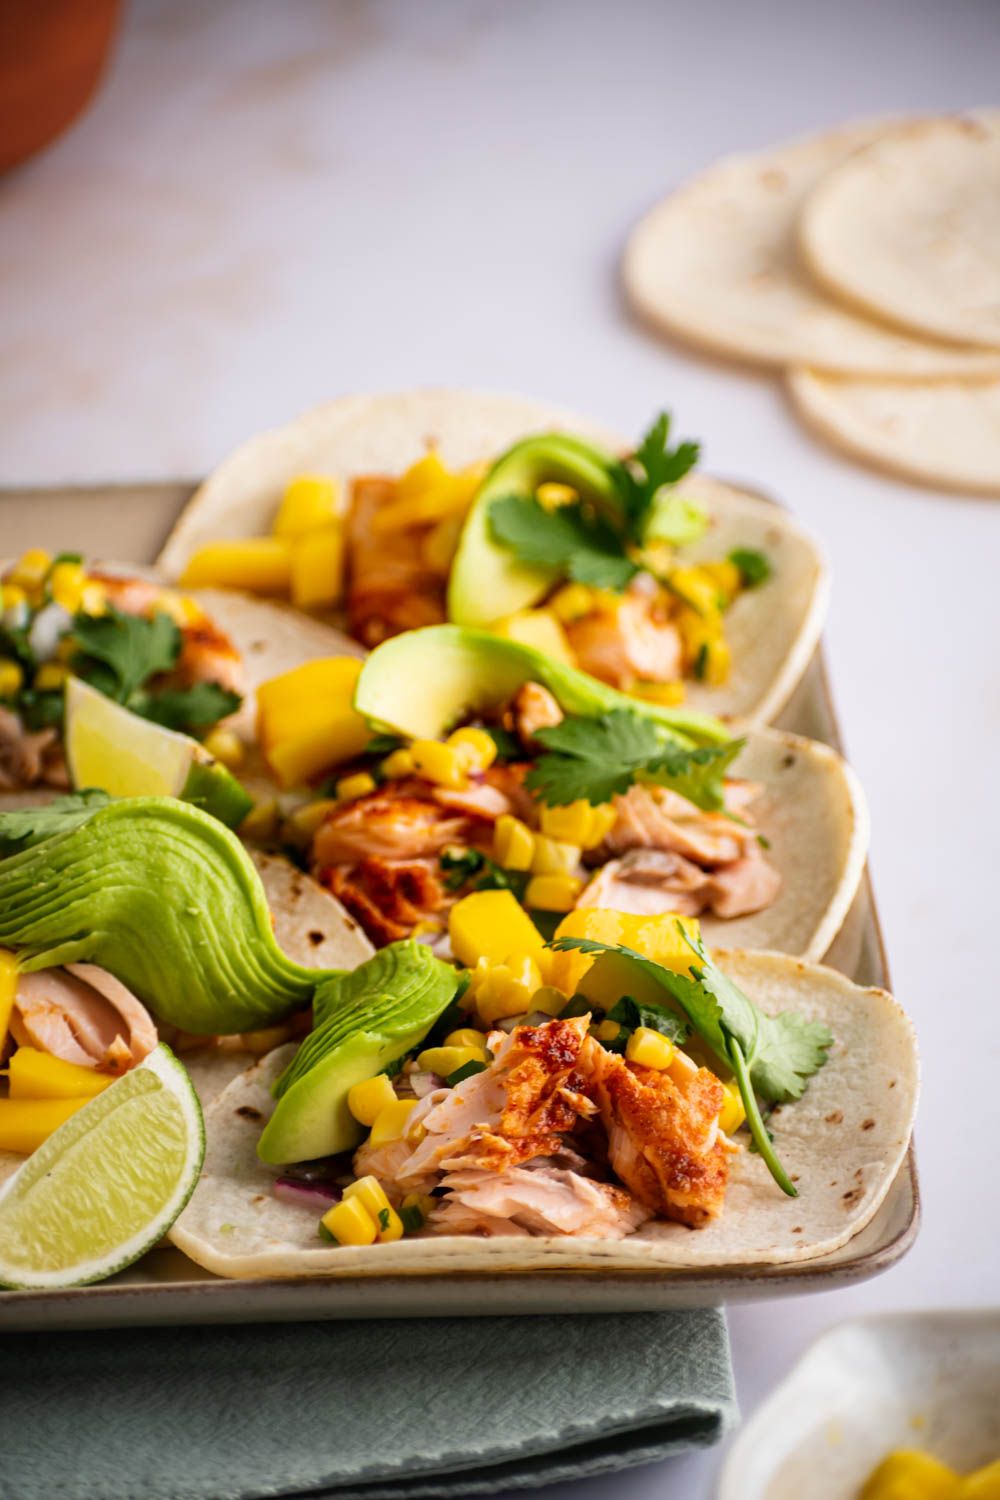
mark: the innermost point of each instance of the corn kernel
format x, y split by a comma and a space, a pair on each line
554, 857
399, 763
309, 502
606, 1031
513, 843
66, 585
649, 1048
8, 990
491, 925
551, 494
301, 825
261, 822
50, 676
553, 892
572, 602
732, 1114
725, 575
367, 1100
11, 678
369, 1191
465, 1036
548, 999
667, 694
506, 989
318, 568
227, 747
446, 1060
697, 589
349, 788
350, 1223
478, 749
34, 1074
31, 570
442, 764
93, 598
570, 823
391, 1120
602, 820
681, 1068
12, 595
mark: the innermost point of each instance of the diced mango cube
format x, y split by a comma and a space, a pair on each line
513, 843
538, 628
553, 857
66, 584
984, 1484
318, 568
399, 763
349, 788
506, 989
391, 1121
307, 720
258, 564
907, 1473
649, 1048
491, 925
442, 764
553, 892
350, 1223
34, 1074
571, 823
367, 1100
26, 1123
309, 502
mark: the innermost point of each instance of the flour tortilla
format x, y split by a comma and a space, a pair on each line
772, 630
946, 435
717, 263
909, 229
843, 1144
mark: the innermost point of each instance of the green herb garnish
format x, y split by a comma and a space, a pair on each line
467, 1070
24, 827
754, 567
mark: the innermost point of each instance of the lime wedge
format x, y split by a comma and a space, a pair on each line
107, 1184
111, 748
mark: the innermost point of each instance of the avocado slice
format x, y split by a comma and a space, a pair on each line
364, 1021
423, 682
487, 582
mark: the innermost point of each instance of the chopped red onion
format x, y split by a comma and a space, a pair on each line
305, 1195
423, 1084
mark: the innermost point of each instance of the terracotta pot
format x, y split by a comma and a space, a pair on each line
52, 56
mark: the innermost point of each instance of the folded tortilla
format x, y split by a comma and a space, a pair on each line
772, 631
842, 1144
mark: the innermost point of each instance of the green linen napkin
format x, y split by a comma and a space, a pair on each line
393, 1409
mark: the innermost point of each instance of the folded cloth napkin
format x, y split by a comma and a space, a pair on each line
396, 1409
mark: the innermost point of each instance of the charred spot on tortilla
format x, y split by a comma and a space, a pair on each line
867, 1124
249, 1112
852, 1195
316, 937
835, 1117
787, 762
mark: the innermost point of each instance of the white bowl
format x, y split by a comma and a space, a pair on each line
907, 1380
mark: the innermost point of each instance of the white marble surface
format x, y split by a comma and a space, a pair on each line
270, 204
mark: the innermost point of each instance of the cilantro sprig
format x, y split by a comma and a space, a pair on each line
770, 1057
23, 827
599, 545
595, 759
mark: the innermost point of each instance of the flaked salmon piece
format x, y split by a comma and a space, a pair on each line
663, 1134
628, 641
533, 708
654, 817
747, 885
207, 653
388, 897
83, 1015
541, 1200
480, 799
647, 883
390, 586
27, 757
387, 825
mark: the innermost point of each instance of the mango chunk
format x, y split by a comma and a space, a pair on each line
318, 568
307, 721
907, 1473
258, 564
491, 925
38, 1075
309, 502
26, 1123
657, 938
8, 989
539, 628
984, 1484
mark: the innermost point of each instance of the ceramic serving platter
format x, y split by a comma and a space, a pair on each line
129, 524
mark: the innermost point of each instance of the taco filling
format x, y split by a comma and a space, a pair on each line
557, 543
147, 647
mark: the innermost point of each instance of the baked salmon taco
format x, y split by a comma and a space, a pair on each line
617, 1095
390, 513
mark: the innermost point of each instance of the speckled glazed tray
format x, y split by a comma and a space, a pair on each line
129, 523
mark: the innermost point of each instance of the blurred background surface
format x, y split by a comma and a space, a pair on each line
267, 205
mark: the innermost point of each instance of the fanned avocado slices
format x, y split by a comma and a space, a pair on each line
365, 1020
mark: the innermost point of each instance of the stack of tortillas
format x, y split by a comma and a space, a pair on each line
866, 264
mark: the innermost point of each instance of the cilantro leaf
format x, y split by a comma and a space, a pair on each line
770, 1056
566, 539
755, 567
631, 1013
653, 467
595, 759
119, 652
186, 709
473, 868
26, 826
